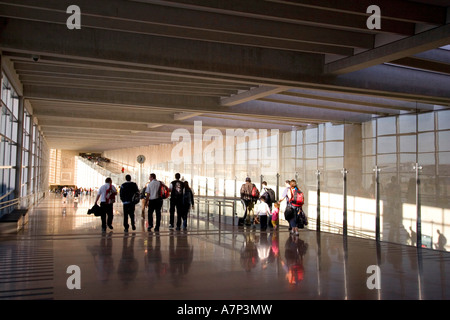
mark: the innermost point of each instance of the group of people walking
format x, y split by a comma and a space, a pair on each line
182, 200
268, 209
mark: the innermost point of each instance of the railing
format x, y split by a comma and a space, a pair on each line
18, 201
220, 203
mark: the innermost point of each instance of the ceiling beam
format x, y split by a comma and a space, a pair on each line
286, 13
424, 41
392, 82
252, 94
146, 102
327, 106
73, 82
129, 76
366, 102
194, 25
74, 62
166, 53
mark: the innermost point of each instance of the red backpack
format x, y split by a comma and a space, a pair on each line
255, 193
163, 191
297, 198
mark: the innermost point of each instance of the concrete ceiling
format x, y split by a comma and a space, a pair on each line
138, 70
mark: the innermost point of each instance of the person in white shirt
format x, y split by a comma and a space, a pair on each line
263, 212
154, 202
107, 195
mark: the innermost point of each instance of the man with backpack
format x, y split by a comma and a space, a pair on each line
128, 193
268, 194
107, 195
249, 196
176, 199
154, 202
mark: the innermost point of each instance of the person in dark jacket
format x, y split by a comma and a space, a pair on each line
188, 202
176, 199
127, 191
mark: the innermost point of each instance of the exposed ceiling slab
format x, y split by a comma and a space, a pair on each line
141, 69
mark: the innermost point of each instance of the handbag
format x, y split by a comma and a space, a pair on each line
289, 212
136, 198
302, 220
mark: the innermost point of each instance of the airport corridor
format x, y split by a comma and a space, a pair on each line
62, 254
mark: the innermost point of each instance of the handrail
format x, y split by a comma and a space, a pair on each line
15, 201
5, 195
325, 224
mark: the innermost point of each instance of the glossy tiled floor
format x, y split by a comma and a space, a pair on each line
207, 262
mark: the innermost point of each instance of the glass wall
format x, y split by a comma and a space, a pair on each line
411, 152
339, 162
8, 149
22, 181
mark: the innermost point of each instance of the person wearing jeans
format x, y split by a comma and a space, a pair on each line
127, 191
154, 202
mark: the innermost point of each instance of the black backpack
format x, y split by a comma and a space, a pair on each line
177, 189
271, 195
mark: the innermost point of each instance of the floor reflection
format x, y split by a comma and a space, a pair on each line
181, 255
225, 262
103, 257
295, 249
128, 264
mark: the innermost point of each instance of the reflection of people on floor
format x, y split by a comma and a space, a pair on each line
103, 260
154, 267
249, 253
275, 245
264, 250
295, 249
180, 257
128, 264
442, 241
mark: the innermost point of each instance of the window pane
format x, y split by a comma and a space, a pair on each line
443, 119
334, 132
334, 149
387, 144
311, 151
408, 143
426, 142
444, 141
386, 126
426, 121
387, 160
407, 124
311, 135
